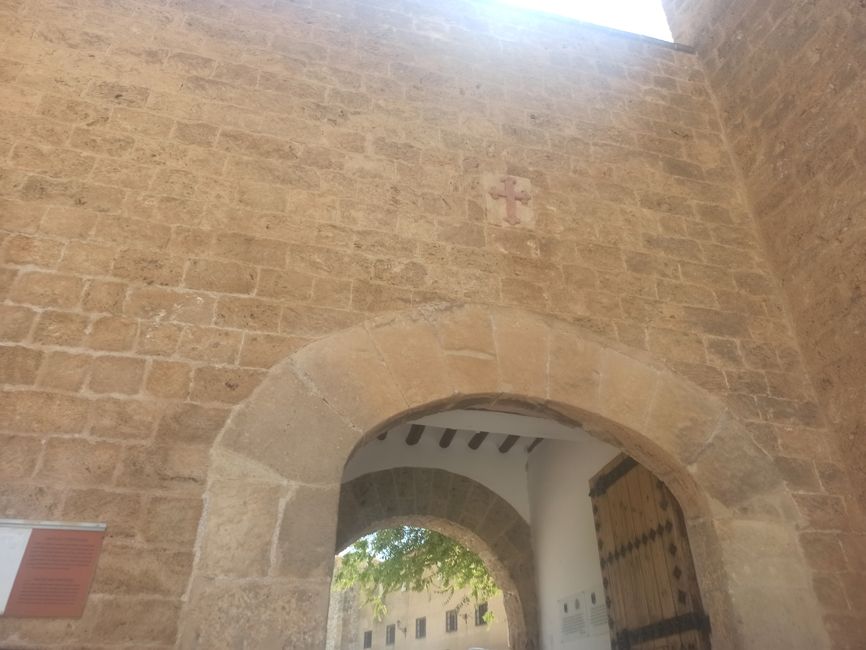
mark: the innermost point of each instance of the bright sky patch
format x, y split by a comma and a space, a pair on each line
644, 17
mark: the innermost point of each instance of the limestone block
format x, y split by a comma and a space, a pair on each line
174, 467
626, 390
464, 328
779, 617
64, 371
575, 369
29, 501
262, 614
75, 461
764, 553
239, 528
286, 427
473, 375
38, 412
307, 536
169, 521
522, 352
349, 373
733, 469
120, 511
20, 454
411, 351
682, 418
221, 384
128, 570
191, 423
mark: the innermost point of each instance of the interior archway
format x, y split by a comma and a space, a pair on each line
291, 439
467, 512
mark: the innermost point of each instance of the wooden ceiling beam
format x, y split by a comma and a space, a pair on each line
507, 444
477, 439
415, 433
534, 444
382, 435
447, 437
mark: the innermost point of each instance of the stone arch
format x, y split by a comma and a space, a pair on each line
291, 439
461, 508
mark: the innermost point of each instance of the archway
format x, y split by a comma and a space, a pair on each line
275, 476
460, 508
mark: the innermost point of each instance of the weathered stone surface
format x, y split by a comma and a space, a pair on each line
350, 374
266, 614
522, 349
411, 351
136, 571
731, 468
121, 512
239, 528
626, 389
292, 431
167, 521
682, 419
575, 369
309, 523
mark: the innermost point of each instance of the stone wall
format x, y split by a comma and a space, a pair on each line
190, 190
792, 95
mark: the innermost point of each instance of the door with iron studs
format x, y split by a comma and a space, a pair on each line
646, 564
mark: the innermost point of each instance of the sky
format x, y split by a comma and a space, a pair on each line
638, 16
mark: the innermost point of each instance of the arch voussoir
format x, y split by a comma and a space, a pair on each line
263, 429
410, 348
350, 375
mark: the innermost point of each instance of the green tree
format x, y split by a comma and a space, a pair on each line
412, 559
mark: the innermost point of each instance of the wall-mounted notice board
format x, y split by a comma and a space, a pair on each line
46, 567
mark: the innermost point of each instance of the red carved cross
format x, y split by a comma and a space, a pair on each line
511, 198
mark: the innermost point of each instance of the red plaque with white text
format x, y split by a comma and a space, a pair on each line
55, 572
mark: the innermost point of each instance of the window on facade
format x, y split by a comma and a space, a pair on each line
451, 620
421, 627
368, 639
480, 613
390, 634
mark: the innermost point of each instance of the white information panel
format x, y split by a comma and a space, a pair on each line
582, 614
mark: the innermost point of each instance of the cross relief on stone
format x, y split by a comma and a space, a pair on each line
508, 200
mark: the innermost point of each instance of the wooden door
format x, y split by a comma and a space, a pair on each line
646, 563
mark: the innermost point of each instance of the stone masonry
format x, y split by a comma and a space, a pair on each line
792, 96
192, 190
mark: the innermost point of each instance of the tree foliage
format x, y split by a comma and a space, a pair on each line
412, 559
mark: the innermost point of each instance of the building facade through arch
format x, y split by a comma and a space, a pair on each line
462, 509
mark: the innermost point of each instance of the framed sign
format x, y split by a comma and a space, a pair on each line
46, 568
